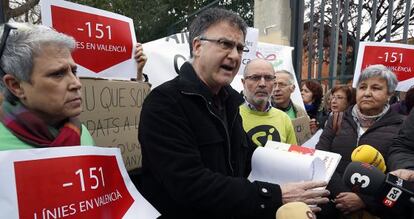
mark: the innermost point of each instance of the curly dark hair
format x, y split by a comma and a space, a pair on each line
316, 88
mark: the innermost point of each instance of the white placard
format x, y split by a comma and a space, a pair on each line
397, 57
80, 181
105, 41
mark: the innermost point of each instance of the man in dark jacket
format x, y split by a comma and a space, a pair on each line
195, 153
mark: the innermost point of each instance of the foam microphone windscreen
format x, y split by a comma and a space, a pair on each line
363, 178
368, 154
295, 210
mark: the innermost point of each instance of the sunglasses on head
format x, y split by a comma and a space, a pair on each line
6, 32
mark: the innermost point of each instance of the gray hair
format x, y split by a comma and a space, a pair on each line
379, 71
22, 46
291, 78
213, 16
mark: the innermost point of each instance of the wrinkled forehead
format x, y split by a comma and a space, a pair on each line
283, 77
223, 28
259, 66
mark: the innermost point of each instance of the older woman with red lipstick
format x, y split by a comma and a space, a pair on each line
41, 89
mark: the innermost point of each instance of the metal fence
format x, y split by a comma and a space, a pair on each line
326, 33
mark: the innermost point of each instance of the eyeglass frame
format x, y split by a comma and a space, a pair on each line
6, 32
337, 97
230, 44
281, 85
257, 78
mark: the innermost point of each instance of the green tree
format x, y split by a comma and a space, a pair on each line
159, 18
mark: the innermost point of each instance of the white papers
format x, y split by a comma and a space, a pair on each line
283, 163
311, 143
282, 167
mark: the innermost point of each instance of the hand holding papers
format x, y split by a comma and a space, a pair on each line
290, 165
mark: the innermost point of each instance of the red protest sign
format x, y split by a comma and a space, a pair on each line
73, 187
397, 59
102, 42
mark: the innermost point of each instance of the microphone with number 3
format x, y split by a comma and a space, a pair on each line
389, 189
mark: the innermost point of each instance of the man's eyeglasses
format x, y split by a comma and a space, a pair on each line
6, 31
227, 44
256, 78
281, 85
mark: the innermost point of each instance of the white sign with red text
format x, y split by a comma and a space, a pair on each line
104, 40
68, 182
397, 57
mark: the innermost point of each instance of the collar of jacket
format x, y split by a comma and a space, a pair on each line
389, 118
191, 83
286, 108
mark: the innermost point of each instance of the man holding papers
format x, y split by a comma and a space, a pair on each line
195, 153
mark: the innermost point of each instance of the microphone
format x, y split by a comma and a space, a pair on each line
368, 154
295, 210
367, 179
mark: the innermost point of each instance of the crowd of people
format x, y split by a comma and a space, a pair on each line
198, 134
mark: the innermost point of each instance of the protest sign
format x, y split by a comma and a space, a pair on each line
68, 182
251, 41
281, 59
165, 57
104, 40
111, 111
302, 129
397, 57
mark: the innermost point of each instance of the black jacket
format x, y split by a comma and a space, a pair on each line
193, 162
380, 136
401, 154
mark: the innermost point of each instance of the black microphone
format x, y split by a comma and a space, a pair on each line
367, 179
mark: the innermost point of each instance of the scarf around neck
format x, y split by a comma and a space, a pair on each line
32, 130
367, 121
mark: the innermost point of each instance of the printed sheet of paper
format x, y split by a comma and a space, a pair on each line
280, 167
330, 160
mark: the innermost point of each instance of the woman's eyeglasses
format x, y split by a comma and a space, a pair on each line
337, 97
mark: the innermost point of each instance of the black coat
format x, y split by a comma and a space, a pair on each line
401, 154
380, 136
193, 162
